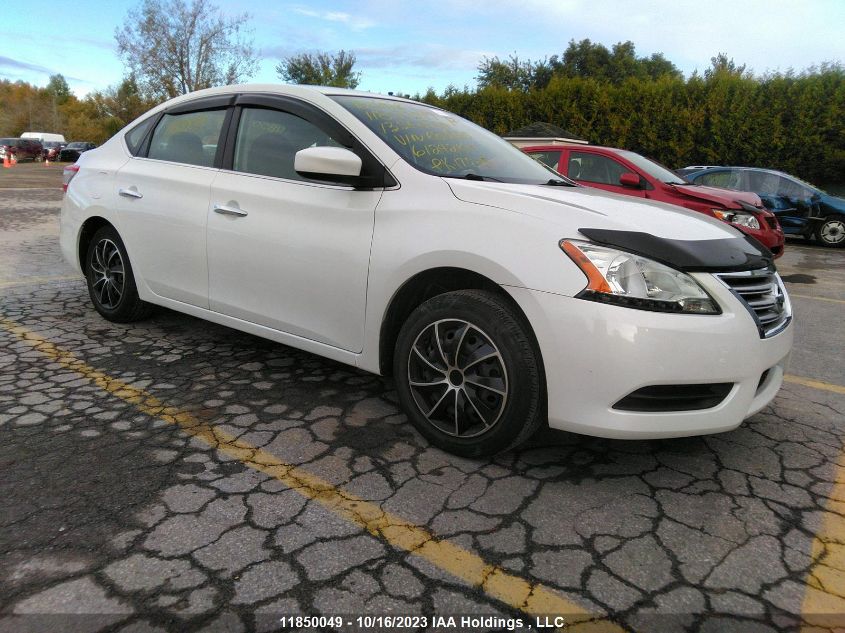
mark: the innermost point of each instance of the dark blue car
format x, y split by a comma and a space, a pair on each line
801, 208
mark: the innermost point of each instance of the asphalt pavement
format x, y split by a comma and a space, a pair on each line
175, 475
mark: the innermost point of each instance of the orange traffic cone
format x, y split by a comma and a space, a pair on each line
6, 162
14, 160
46, 161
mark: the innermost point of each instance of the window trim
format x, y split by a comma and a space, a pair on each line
372, 169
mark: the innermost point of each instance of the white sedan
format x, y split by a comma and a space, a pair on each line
405, 240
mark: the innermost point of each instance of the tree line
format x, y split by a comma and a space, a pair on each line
793, 121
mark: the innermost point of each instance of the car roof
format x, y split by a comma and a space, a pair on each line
743, 168
293, 90
578, 147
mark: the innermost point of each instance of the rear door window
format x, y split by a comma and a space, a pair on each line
190, 138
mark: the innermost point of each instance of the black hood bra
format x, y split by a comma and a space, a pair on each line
731, 254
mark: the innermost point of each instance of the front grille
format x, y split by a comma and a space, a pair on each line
665, 398
762, 293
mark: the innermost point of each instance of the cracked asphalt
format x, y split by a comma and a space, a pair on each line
175, 475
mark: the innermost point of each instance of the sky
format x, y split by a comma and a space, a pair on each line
409, 46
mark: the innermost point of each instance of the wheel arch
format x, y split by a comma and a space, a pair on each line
86, 233
427, 284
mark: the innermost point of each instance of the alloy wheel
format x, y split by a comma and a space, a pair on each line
108, 274
458, 378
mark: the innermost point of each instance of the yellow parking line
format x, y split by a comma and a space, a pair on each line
792, 294
519, 593
29, 281
824, 594
814, 384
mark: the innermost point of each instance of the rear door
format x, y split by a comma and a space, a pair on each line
163, 199
286, 252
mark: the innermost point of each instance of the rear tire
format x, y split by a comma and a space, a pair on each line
831, 232
111, 284
468, 374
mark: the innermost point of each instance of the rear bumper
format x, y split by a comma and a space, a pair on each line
594, 355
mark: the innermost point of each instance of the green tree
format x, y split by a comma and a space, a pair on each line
174, 47
588, 59
57, 87
320, 69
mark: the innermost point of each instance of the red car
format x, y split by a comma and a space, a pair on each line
621, 171
20, 148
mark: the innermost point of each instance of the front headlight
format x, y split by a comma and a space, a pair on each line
625, 279
740, 218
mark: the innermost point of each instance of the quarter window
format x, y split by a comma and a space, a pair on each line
268, 141
135, 136
594, 168
189, 138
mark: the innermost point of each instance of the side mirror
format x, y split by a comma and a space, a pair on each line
335, 164
629, 179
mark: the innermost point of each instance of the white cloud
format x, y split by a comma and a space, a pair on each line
354, 22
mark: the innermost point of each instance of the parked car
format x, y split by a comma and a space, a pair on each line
21, 148
690, 169
51, 149
402, 239
44, 136
629, 173
802, 209
71, 152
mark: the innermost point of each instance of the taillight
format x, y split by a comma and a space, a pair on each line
67, 175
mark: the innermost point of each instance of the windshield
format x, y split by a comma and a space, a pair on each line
7, 141
76, 146
653, 169
443, 144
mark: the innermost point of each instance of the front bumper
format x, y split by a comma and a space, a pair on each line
596, 354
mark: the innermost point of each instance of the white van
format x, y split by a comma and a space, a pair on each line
44, 136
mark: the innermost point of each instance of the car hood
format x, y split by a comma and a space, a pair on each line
686, 240
585, 207
725, 197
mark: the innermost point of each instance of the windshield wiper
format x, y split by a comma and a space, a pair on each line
472, 176
557, 182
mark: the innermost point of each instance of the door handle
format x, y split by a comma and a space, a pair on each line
225, 210
130, 193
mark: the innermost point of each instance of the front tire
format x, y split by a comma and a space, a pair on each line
831, 232
468, 374
111, 284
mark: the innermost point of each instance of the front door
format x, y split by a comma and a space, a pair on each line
601, 172
283, 251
